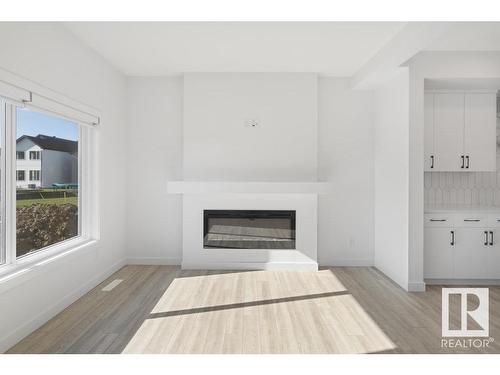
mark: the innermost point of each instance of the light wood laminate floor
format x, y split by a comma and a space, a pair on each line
161, 309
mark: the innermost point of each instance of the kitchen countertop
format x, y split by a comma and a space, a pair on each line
461, 208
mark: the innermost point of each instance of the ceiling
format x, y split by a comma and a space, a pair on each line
171, 48
468, 36
328, 48
463, 84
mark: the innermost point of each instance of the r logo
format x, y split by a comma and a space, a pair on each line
480, 315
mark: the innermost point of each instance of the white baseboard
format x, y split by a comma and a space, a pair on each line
471, 282
274, 266
416, 286
19, 333
242, 265
154, 261
347, 263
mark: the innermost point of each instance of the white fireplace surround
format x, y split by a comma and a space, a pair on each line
300, 197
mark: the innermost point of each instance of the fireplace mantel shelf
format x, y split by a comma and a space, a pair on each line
230, 187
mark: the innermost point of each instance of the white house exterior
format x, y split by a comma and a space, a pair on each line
43, 160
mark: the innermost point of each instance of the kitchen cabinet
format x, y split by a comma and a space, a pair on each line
429, 131
460, 131
494, 254
448, 132
480, 131
462, 246
470, 254
438, 255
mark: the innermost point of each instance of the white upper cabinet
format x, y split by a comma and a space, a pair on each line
429, 131
448, 132
460, 131
480, 131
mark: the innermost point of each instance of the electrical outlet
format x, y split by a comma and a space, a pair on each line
352, 242
251, 123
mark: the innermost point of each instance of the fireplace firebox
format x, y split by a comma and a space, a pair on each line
249, 229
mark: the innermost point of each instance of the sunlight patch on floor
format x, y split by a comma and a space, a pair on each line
259, 312
240, 287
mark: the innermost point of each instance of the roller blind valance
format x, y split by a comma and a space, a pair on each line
14, 93
40, 102
53, 104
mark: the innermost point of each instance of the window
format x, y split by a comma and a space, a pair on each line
50, 214
34, 155
48, 203
34, 175
2, 181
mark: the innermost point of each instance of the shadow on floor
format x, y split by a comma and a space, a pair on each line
244, 304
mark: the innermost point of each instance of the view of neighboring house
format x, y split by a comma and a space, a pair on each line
44, 160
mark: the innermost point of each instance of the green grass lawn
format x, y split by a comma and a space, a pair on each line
28, 202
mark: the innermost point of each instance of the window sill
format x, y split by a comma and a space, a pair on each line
29, 266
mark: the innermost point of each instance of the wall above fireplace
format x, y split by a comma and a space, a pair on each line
250, 126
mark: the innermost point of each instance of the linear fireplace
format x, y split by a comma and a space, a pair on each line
249, 229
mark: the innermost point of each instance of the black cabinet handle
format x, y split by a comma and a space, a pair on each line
485, 238
437, 220
432, 161
452, 243
491, 240
474, 220
463, 162
467, 159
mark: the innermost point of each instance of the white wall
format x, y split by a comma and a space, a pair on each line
345, 158
391, 140
58, 167
218, 145
155, 156
26, 164
344, 152
49, 55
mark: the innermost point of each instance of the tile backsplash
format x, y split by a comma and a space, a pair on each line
475, 188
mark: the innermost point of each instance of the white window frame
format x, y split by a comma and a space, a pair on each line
32, 172
3, 165
37, 153
24, 174
88, 220
24, 155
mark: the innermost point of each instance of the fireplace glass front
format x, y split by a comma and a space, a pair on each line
248, 229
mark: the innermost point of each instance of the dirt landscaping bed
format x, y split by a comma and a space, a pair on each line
41, 225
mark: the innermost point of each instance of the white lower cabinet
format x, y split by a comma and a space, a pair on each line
470, 254
494, 254
461, 248
438, 253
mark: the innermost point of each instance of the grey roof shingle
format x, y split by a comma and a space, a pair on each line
52, 143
